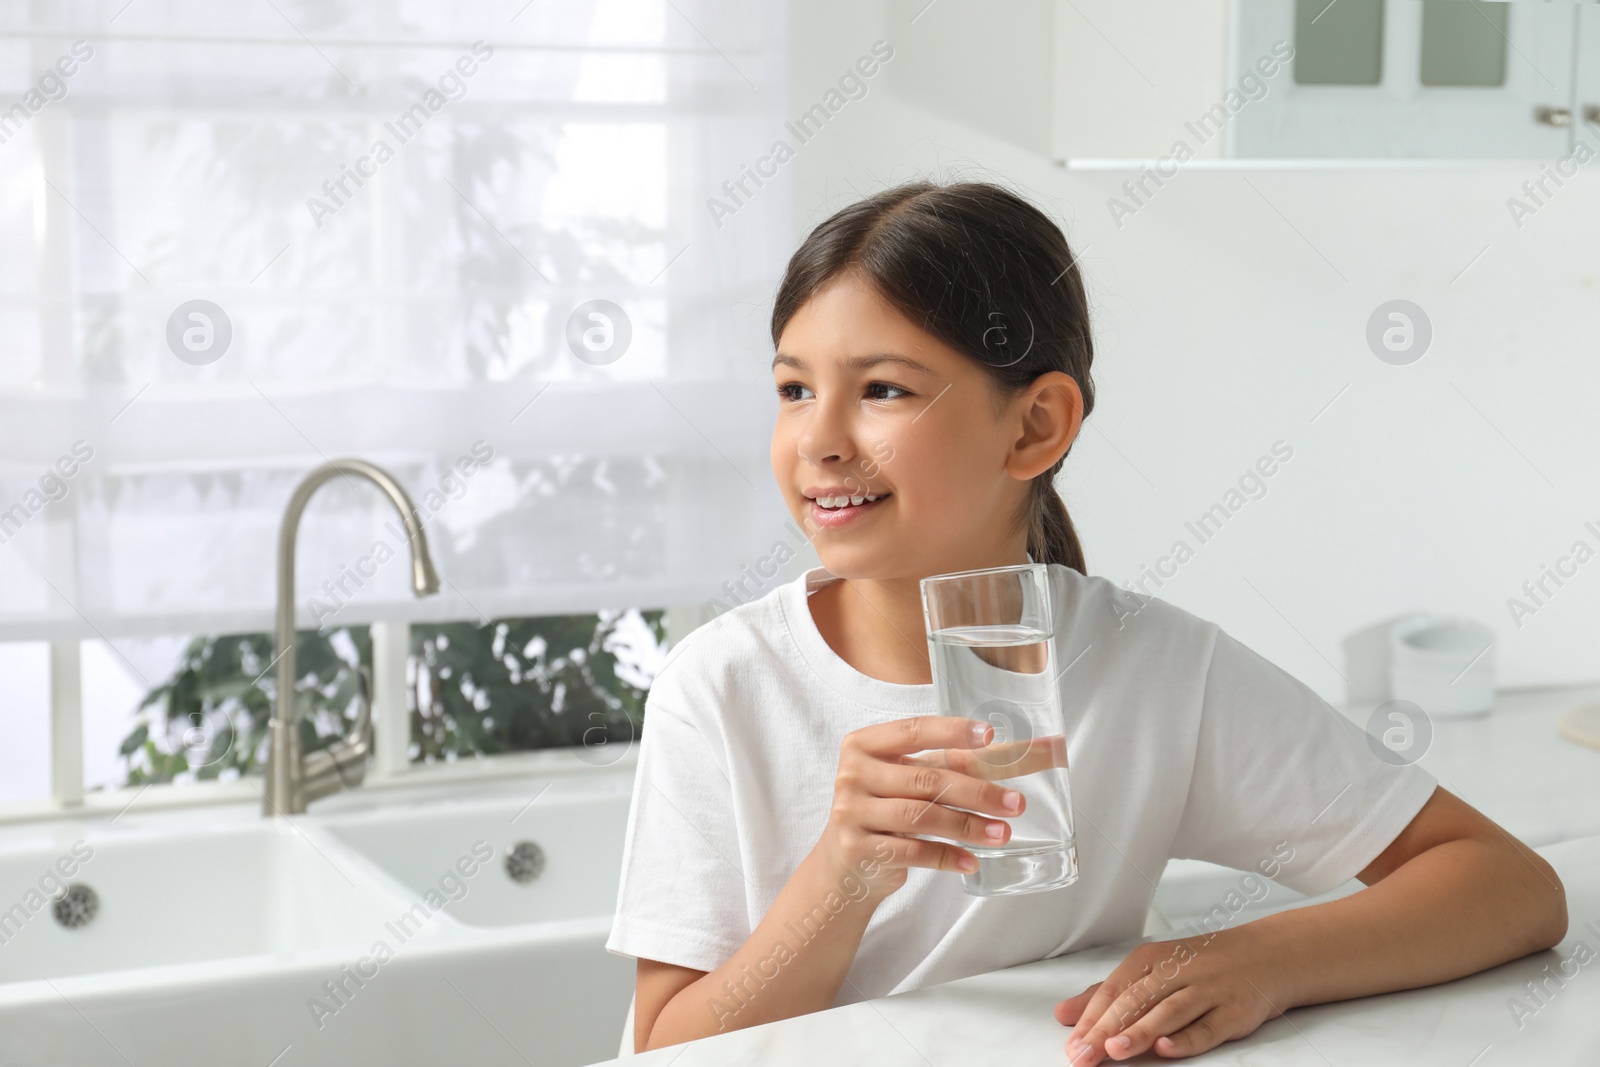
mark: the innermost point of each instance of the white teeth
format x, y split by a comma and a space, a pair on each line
832, 502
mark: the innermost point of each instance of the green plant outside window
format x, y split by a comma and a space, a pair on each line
509, 685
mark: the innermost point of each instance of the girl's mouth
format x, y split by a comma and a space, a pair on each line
834, 511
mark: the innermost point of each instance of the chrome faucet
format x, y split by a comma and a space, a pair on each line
293, 779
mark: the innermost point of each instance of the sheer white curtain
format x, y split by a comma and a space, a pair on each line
408, 304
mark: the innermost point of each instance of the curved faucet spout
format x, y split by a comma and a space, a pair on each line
292, 780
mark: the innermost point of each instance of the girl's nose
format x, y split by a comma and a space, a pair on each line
827, 435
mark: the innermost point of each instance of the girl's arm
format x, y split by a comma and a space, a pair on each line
775, 974
1452, 895
798, 957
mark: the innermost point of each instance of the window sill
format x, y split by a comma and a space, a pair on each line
555, 762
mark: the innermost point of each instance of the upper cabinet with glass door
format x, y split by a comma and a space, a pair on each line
1323, 79
1431, 79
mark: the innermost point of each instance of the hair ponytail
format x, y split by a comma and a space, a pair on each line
988, 274
1051, 535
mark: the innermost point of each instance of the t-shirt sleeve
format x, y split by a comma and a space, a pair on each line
1284, 784
681, 897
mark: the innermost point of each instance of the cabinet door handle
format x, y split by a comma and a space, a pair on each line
1553, 116
1591, 114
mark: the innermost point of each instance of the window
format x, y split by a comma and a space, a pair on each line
25, 756
237, 241
509, 685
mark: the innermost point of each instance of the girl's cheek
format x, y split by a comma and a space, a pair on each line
784, 459
877, 458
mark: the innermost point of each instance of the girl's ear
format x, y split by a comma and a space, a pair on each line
1050, 413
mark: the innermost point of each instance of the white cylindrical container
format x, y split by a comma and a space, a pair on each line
1445, 666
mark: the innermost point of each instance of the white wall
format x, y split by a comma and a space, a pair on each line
1232, 308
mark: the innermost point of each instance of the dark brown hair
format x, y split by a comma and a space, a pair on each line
985, 272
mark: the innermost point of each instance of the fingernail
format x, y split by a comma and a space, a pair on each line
1012, 800
1117, 1045
979, 731
967, 863
995, 830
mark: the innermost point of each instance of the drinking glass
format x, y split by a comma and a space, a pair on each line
990, 639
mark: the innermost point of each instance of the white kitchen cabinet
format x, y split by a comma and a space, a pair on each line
1418, 79
1140, 80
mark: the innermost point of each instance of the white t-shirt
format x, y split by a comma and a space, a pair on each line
1181, 743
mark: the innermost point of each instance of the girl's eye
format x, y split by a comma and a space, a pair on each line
885, 391
794, 391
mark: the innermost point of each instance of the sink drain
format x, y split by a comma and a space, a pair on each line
524, 862
75, 906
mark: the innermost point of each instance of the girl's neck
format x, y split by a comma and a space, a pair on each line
877, 626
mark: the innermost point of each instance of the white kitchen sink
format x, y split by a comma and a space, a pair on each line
564, 842
145, 900
223, 938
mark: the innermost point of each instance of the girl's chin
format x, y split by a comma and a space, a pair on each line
870, 563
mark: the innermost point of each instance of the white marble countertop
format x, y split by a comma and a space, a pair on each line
1512, 764
1005, 1018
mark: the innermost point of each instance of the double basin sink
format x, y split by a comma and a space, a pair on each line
439, 920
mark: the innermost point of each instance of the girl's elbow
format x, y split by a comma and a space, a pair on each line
1531, 895
1548, 905
1557, 931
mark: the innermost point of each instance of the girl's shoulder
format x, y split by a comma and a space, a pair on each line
1096, 607
725, 655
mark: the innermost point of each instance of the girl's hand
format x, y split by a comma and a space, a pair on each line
881, 796
1003, 759
1179, 998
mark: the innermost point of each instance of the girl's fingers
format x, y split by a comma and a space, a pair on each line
914, 852
1205, 1033
1069, 1011
1133, 1003
1099, 1001
1171, 1015
901, 737
1002, 759
931, 784
901, 815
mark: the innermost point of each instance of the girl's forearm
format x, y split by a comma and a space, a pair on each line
793, 964
1455, 909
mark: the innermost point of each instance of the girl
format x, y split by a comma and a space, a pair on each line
932, 369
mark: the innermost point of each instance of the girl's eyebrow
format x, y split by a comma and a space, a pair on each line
865, 362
